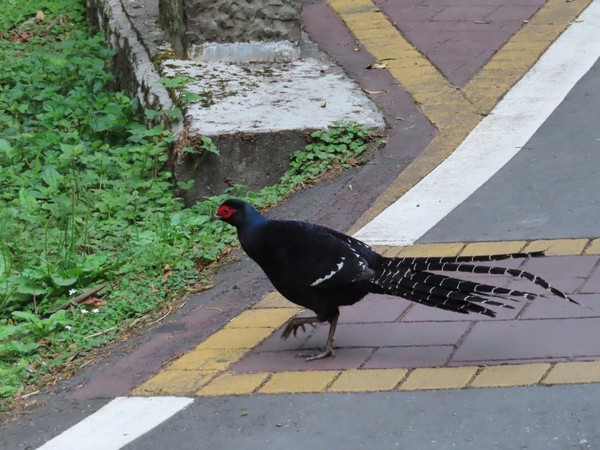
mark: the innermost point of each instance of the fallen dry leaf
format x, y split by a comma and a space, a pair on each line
376, 66
92, 303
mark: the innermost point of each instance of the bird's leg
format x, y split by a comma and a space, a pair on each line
328, 351
298, 322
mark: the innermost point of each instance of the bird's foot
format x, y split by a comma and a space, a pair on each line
298, 322
328, 351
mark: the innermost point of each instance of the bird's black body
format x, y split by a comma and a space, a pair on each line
322, 269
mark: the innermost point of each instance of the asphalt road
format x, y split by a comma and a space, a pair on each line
516, 418
549, 189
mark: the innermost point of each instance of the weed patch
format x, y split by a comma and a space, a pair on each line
86, 199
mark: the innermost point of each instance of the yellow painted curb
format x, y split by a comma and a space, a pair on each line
510, 375
203, 359
593, 247
558, 247
231, 383
452, 249
552, 247
574, 372
174, 382
491, 248
368, 380
300, 381
235, 338
439, 378
262, 318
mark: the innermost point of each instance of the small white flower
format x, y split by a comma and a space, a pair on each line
95, 310
84, 311
68, 327
72, 291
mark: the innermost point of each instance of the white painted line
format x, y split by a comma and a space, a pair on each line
118, 423
496, 139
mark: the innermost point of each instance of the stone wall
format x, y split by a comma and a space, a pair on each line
192, 23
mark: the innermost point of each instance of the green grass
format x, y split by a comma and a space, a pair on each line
85, 199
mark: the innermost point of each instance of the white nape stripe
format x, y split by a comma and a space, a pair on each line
119, 422
496, 139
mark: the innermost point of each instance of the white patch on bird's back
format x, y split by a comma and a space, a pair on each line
330, 274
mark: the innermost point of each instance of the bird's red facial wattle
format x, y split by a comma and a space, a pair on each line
225, 212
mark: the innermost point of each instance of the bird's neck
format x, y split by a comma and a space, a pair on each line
249, 231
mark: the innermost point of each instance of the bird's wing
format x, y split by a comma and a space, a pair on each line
312, 256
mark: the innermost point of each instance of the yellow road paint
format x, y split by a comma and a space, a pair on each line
574, 372
439, 378
229, 338
203, 359
510, 375
593, 247
262, 318
451, 249
368, 380
558, 247
275, 300
552, 247
301, 381
231, 383
519, 54
491, 248
174, 382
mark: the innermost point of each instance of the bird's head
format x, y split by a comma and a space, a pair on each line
236, 212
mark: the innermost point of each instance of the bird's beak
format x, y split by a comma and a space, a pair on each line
216, 217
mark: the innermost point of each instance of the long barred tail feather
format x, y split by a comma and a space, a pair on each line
413, 279
494, 270
416, 283
430, 299
426, 288
423, 260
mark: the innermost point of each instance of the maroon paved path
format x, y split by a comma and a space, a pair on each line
459, 36
388, 332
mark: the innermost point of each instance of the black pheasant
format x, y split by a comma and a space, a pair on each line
322, 269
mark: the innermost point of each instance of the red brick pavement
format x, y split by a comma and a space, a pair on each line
389, 332
459, 36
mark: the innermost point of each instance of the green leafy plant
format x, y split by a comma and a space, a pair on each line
178, 85
87, 201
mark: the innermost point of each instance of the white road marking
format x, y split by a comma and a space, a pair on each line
496, 139
118, 423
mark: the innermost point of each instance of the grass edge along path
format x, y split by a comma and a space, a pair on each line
84, 204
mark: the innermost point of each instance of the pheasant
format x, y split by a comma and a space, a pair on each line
322, 269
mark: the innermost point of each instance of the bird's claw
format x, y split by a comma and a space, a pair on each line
313, 357
299, 326
292, 328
